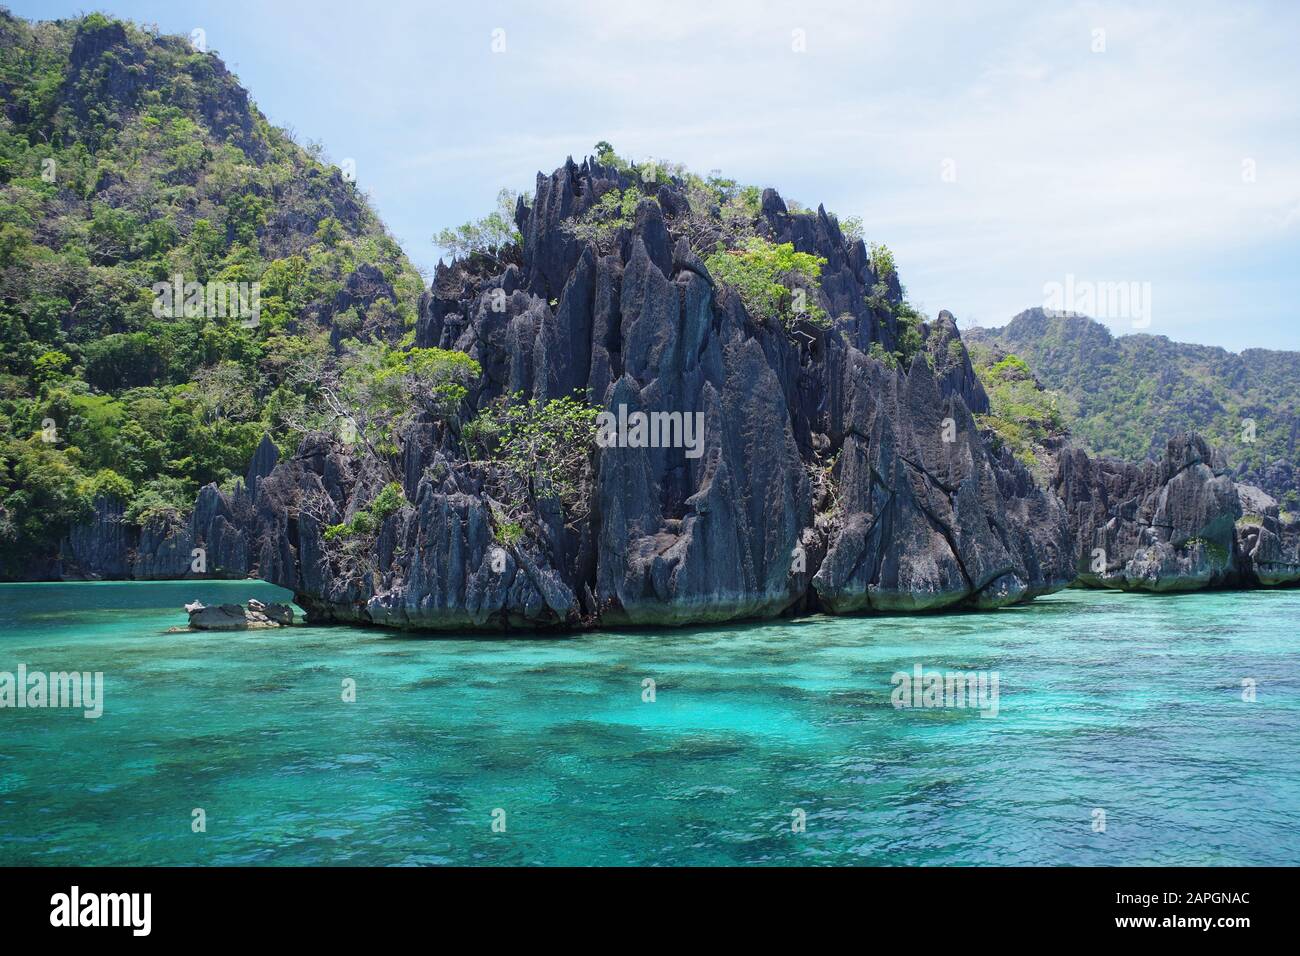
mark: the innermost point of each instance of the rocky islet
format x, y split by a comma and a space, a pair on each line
829, 479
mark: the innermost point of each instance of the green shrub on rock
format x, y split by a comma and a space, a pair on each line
776, 283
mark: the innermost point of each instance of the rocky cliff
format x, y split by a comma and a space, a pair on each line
1176, 524
218, 539
130, 160
828, 479
1129, 394
840, 467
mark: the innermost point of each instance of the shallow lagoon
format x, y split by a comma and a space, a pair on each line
1127, 703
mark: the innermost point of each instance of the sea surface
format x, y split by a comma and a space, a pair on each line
770, 743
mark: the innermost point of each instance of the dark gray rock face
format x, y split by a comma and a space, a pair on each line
951, 363
823, 480
929, 522
217, 540
1178, 524
99, 547
263, 462
1268, 545
163, 553
213, 543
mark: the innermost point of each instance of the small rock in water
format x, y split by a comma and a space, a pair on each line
235, 617
276, 613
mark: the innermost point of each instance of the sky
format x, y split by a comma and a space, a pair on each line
1144, 157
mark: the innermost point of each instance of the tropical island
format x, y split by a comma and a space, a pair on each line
436, 457
501, 495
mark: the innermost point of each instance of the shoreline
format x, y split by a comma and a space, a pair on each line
561, 633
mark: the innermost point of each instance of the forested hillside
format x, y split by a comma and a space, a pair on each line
129, 159
1128, 395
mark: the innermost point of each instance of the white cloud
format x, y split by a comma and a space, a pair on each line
1125, 164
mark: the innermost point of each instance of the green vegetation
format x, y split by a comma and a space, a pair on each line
600, 224
882, 261
907, 320
649, 171
490, 236
351, 544
535, 452
878, 352
776, 283
1216, 552
908, 324
736, 205
720, 209
882, 264
1022, 416
509, 533
165, 500
367, 520
851, 228
1134, 392
375, 391
127, 159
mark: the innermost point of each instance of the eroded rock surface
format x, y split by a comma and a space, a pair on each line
1268, 545
827, 480
221, 528
1178, 524
235, 617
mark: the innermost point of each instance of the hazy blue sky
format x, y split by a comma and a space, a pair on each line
1170, 157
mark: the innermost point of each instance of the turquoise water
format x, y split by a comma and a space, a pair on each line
1131, 704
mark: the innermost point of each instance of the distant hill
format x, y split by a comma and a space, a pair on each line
1127, 395
128, 159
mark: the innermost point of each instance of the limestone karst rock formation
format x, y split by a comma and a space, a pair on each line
831, 477
828, 479
222, 526
1178, 524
